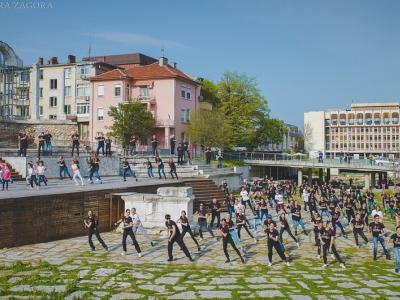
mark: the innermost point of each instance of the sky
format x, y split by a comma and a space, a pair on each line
305, 55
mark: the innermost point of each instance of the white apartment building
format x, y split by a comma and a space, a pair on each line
61, 91
366, 128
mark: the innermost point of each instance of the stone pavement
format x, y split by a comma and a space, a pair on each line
67, 269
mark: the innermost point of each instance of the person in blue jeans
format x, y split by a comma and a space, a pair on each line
230, 204
395, 238
377, 229
263, 209
127, 171
160, 167
149, 168
256, 219
63, 168
297, 220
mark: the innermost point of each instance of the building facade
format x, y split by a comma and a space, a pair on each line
290, 141
61, 91
366, 128
169, 94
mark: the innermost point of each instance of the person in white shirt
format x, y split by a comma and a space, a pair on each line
137, 224
245, 198
40, 168
305, 196
377, 211
238, 207
76, 171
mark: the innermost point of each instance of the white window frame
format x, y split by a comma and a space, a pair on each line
120, 90
100, 115
82, 107
100, 90
67, 73
67, 88
144, 91
41, 110
84, 70
50, 101
85, 88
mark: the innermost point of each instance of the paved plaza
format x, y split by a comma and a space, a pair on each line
68, 269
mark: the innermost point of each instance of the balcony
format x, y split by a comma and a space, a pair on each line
164, 122
147, 98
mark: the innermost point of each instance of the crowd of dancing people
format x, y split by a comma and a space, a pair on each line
271, 209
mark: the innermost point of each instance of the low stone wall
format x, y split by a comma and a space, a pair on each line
60, 130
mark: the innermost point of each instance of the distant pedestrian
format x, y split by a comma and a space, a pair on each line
31, 176
41, 140
180, 152
23, 143
149, 167
208, 155
154, 145
91, 223
100, 143
108, 146
75, 143
172, 168
5, 177
132, 145
63, 168
160, 167
219, 159
47, 145
172, 143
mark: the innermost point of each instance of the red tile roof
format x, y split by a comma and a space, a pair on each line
152, 71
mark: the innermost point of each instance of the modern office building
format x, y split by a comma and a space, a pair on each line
366, 128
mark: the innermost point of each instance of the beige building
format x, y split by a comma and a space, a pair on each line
61, 91
366, 128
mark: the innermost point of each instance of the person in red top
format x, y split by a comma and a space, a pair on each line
6, 177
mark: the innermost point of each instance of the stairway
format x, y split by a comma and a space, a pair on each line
14, 174
204, 191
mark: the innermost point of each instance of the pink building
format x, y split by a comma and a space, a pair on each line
170, 95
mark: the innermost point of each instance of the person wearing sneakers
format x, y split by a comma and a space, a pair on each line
6, 178
186, 228
395, 238
91, 223
137, 224
377, 230
174, 235
127, 225
273, 242
357, 225
202, 221
227, 239
127, 171
327, 237
284, 224
76, 171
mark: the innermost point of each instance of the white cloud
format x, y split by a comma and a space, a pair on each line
135, 39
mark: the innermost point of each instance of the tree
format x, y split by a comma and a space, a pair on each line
210, 128
307, 135
209, 92
130, 119
244, 107
269, 130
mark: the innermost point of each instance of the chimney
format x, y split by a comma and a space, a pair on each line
163, 61
40, 61
53, 61
71, 59
174, 64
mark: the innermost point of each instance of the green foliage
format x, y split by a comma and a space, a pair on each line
209, 128
130, 119
270, 130
209, 92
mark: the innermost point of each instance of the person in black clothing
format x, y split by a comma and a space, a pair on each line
63, 168
108, 146
154, 145
172, 168
202, 221
395, 238
41, 140
357, 225
48, 147
100, 143
23, 143
215, 213
91, 223
186, 228
175, 236
75, 143
336, 221
126, 169
242, 223
208, 155
285, 227
127, 227
227, 239
172, 143
185, 149
179, 149
132, 145
349, 205
273, 242
327, 237
377, 229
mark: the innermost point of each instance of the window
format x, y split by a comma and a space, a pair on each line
53, 84
186, 92
100, 114
40, 110
67, 73
82, 109
41, 92
144, 91
117, 90
67, 109
41, 74
52, 117
25, 76
82, 90
53, 101
100, 90
84, 71
185, 116
67, 91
